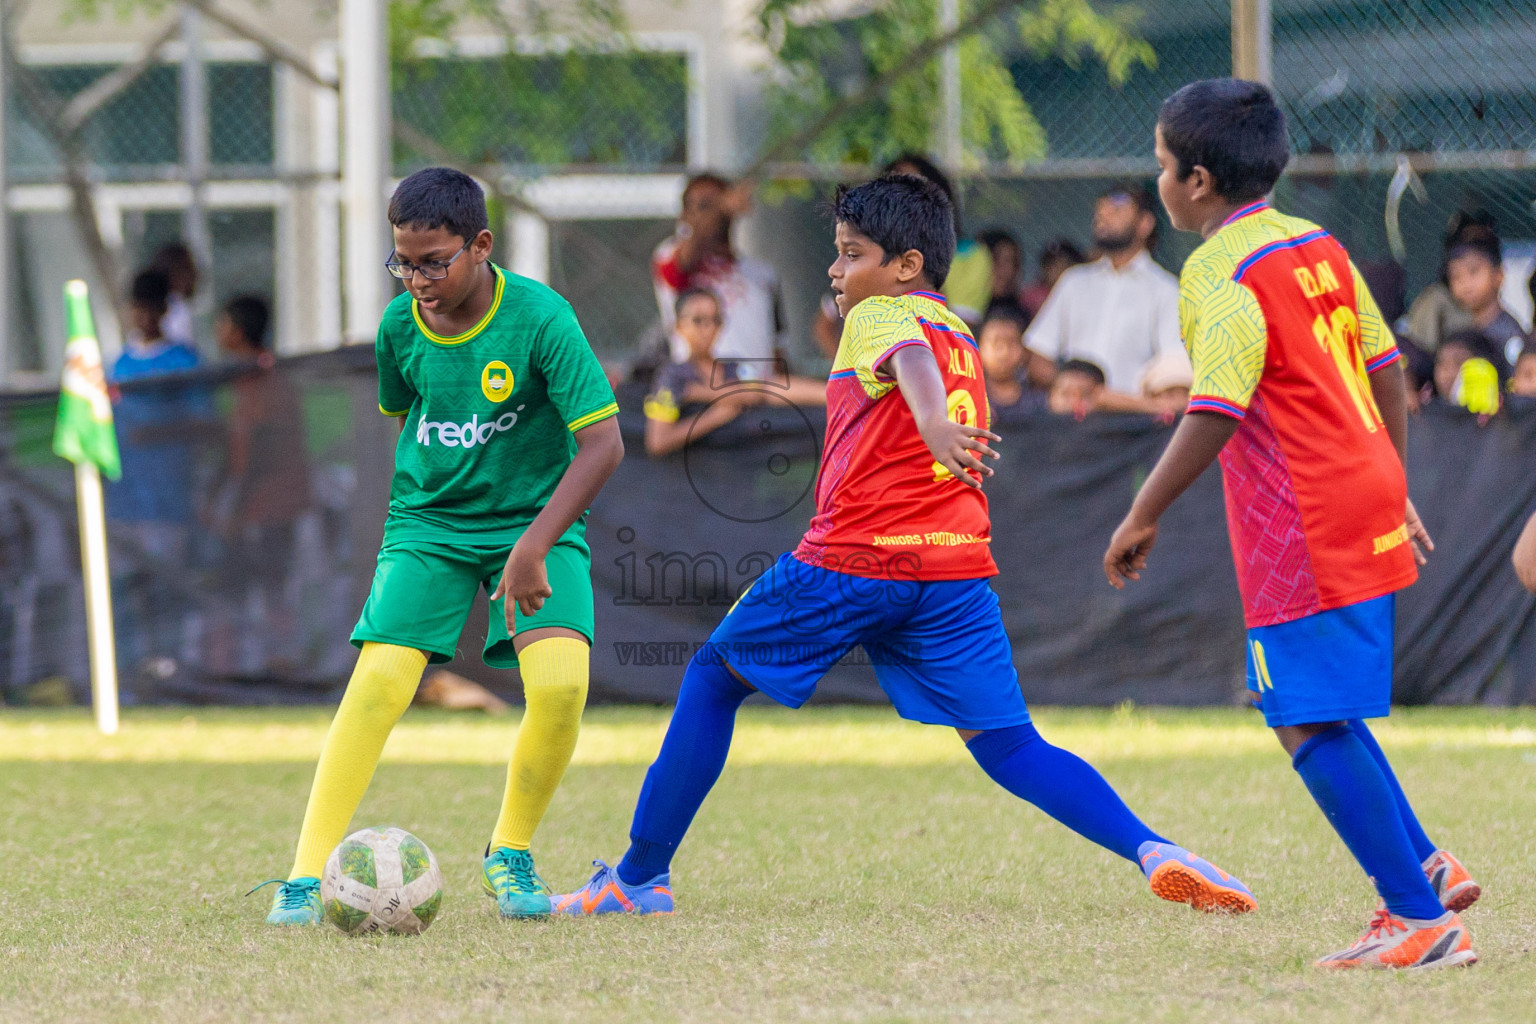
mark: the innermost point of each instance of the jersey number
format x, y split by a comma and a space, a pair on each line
1335, 334
962, 409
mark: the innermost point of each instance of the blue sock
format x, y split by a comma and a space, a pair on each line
1349, 786
692, 755
1062, 785
1422, 847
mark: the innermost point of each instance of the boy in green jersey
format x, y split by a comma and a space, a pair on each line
507, 433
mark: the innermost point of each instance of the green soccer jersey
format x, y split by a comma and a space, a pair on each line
490, 413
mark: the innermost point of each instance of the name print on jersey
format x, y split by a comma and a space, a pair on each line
468, 434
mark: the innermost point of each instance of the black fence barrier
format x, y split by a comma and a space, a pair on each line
244, 588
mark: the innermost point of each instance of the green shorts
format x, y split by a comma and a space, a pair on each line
422, 591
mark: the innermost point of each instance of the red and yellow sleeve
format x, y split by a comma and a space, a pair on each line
1224, 331
875, 330
1377, 345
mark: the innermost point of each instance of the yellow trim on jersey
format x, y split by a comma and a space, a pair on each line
459, 339
611, 409
386, 412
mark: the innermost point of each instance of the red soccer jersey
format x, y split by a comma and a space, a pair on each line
1283, 334
884, 507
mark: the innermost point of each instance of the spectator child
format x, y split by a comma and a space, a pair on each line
1055, 259
693, 383
1475, 272
1003, 365
1524, 382
1007, 266
176, 263
152, 503
265, 491
1166, 382
1467, 372
1435, 314
1077, 389
696, 395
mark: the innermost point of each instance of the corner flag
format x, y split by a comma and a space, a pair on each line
84, 436
84, 432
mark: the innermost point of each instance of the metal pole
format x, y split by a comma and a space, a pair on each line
948, 144
365, 164
1252, 41
194, 136
98, 595
8, 350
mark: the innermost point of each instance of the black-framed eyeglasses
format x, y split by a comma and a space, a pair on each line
432, 270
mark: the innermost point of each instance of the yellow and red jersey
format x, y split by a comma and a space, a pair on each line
884, 507
1283, 333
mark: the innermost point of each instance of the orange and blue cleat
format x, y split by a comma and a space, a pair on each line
1451, 882
1396, 943
607, 893
1179, 876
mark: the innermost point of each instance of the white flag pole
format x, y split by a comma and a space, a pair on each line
98, 595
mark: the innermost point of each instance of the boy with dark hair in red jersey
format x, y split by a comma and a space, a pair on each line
896, 560
1298, 389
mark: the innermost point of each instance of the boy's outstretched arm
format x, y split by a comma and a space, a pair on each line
1390, 392
599, 449
1195, 445
955, 445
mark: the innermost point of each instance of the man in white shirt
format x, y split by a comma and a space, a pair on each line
699, 255
1118, 312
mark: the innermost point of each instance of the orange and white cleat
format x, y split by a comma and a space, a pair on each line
1395, 943
1451, 882
1179, 876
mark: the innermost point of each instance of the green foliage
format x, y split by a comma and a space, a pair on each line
822, 60
590, 100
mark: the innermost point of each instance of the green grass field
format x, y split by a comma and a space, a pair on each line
849, 866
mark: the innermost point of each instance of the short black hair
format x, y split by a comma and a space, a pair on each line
1007, 311
151, 288
250, 316
900, 212
1487, 248
925, 168
1479, 346
1061, 249
440, 197
1465, 224
994, 237
689, 294
712, 179
1088, 369
1232, 128
1142, 196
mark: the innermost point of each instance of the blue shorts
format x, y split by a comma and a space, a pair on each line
1329, 667
938, 647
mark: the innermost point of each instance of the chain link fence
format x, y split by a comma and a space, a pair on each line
1451, 81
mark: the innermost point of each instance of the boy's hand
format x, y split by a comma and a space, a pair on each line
523, 581
956, 447
1418, 537
1128, 550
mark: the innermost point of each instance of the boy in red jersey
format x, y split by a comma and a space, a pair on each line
896, 559
1298, 390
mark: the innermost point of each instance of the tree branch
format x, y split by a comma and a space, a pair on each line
911, 61
104, 90
276, 50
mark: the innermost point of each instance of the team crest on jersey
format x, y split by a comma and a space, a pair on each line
496, 381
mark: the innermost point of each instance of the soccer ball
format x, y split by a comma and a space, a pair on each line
381, 880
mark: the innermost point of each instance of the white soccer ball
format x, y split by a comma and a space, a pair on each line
381, 880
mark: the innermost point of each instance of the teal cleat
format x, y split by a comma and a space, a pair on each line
510, 877
297, 901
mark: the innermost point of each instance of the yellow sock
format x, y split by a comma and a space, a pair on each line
378, 693
555, 688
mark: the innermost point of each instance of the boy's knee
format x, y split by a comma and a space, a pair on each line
709, 673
